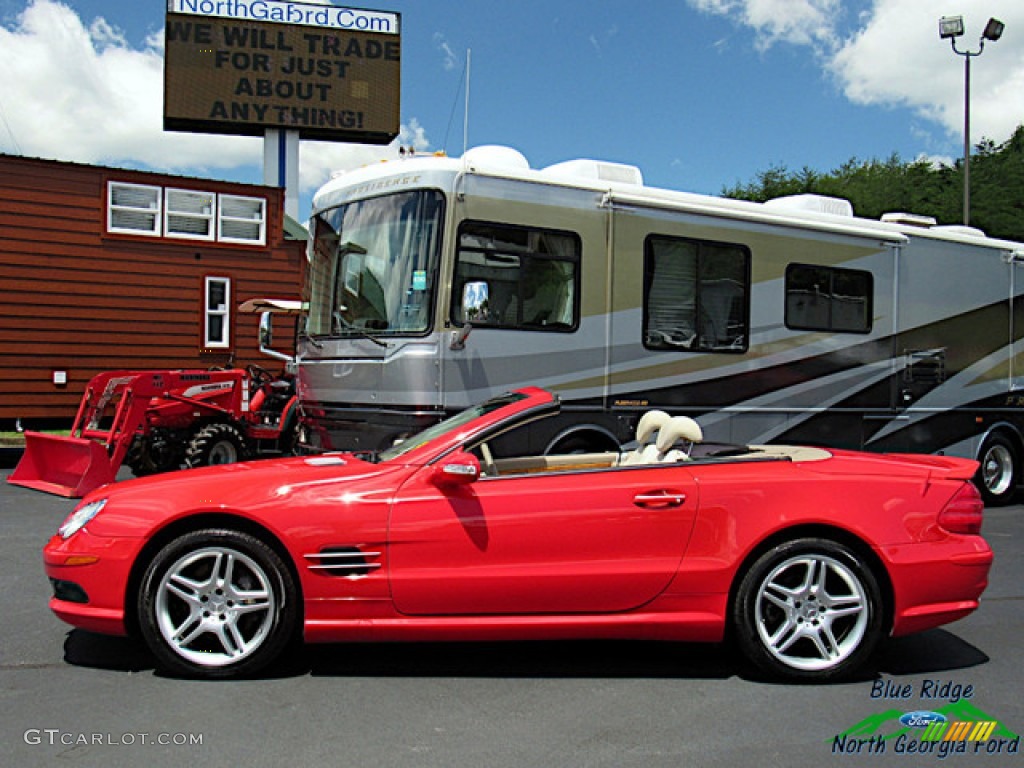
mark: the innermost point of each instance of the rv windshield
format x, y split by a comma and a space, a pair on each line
373, 265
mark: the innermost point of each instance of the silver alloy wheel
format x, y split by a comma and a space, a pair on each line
811, 612
997, 469
215, 606
223, 452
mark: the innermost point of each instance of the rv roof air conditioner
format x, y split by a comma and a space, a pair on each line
909, 219
596, 170
494, 157
960, 229
834, 206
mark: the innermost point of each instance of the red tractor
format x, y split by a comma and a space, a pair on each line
155, 421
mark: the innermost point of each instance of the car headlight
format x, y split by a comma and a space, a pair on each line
77, 519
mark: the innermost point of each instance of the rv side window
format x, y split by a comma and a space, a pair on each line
516, 277
696, 295
828, 299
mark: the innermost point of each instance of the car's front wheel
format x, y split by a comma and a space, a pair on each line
217, 603
809, 609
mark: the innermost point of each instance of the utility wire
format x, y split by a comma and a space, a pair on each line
455, 103
10, 132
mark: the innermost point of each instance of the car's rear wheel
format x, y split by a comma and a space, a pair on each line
809, 609
217, 603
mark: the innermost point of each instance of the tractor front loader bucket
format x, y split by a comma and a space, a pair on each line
112, 415
65, 466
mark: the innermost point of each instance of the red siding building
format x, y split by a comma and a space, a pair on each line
104, 269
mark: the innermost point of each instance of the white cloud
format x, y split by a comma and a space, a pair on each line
893, 56
449, 59
897, 58
319, 159
802, 22
81, 92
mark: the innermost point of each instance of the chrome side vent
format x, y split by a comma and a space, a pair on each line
349, 562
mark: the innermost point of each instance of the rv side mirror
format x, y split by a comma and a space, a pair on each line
267, 339
475, 306
460, 468
266, 330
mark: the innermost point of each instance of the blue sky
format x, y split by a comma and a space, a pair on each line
701, 94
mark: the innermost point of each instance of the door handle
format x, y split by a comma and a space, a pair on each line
659, 499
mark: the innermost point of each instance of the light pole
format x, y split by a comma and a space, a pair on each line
950, 28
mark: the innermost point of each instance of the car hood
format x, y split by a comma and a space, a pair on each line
258, 489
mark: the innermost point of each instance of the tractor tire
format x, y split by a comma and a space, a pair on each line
216, 444
152, 455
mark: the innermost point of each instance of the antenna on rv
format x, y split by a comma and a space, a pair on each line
465, 117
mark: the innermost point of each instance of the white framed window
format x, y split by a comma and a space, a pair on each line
216, 312
188, 213
134, 208
191, 214
242, 219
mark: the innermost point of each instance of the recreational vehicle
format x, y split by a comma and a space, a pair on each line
437, 282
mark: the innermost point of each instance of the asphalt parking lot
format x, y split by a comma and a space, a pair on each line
72, 698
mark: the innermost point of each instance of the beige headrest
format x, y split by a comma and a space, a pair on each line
650, 423
678, 428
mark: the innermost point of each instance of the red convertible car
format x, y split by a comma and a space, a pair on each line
805, 558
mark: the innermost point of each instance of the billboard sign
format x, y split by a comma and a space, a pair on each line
242, 66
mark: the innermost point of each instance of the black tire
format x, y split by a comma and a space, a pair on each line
808, 610
216, 444
289, 432
998, 474
217, 603
152, 455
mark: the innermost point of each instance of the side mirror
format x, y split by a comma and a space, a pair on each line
266, 330
475, 301
267, 338
459, 468
459, 337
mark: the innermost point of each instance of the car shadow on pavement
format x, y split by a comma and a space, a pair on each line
123, 654
926, 653
533, 659
937, 650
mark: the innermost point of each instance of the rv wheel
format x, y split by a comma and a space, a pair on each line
997, 476
216, 444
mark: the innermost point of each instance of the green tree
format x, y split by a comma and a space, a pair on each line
875, 187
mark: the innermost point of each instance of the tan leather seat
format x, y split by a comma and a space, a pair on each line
678, 429
647, 430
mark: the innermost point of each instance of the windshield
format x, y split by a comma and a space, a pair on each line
450, 425
373, 265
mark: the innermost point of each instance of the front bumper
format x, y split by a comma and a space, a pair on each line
90, 577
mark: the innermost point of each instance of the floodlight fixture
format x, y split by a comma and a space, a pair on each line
993, 30
951, 27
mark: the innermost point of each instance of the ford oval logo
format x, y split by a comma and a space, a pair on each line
922, 718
